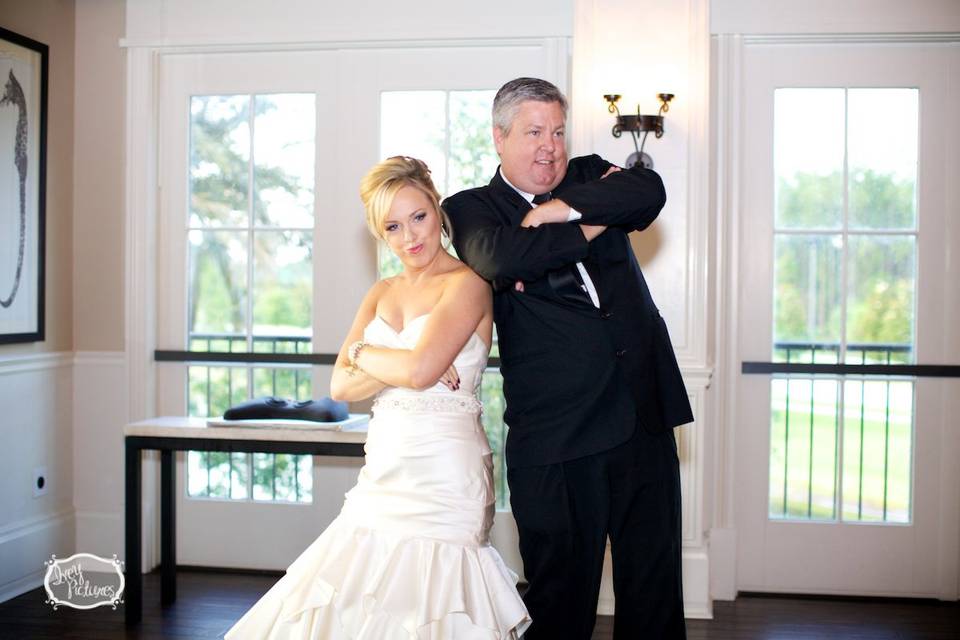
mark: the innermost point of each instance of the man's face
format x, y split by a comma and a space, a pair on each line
533, 155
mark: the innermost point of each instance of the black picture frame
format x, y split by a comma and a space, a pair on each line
24, 72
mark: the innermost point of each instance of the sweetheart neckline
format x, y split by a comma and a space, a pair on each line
407, 326
377, 316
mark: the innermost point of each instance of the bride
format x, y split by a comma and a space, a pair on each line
409, 557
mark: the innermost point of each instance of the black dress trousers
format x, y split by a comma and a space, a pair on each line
565, 512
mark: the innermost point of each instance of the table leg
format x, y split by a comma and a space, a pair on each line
133, 592
168, 528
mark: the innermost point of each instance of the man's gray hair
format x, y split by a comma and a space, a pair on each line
511, 95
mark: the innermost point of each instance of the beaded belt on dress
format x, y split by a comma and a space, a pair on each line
433, 403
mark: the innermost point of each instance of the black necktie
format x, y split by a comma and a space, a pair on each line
543, 197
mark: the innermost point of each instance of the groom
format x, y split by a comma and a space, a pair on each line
589, 375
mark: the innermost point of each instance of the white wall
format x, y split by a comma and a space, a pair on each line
246, 22
830, 16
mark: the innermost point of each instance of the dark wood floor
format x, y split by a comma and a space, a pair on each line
209, 603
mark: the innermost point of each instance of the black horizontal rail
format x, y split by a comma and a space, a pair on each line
912, 370
244, 357
249, 357
849, 369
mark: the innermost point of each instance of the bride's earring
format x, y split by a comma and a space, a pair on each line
444, 237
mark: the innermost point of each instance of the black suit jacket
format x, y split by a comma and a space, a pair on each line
577, 379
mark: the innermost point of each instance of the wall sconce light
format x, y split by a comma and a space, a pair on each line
637, 124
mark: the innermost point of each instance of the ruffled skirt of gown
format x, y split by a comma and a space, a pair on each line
408, 558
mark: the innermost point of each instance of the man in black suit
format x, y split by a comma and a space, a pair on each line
590, 379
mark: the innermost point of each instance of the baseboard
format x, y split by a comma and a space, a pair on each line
24, 585
697, 603
723, 563
27, 544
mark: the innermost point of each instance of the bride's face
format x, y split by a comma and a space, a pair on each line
412, 228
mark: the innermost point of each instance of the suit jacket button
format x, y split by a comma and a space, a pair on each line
606, 315
621, 353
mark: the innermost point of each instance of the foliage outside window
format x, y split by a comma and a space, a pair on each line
845, 256
250, 239
451, 132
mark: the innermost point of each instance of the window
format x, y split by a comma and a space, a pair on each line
845, 250
250, 239
451, 132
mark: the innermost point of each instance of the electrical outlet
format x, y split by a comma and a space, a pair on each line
41, 484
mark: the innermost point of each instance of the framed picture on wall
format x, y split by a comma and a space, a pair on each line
23, 151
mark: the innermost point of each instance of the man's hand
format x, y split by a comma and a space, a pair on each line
612, 169
555, 210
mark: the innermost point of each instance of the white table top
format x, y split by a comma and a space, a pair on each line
352, 430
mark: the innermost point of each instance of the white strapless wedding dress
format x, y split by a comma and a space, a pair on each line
408, 558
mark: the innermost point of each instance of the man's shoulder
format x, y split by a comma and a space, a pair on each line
466, 198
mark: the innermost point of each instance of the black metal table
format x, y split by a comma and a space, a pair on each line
170, 434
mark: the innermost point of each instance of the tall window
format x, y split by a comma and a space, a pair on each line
845, 246
250, 239
451, 132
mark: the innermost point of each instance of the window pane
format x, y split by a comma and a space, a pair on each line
473, 158
218, 469
877, 450
197, 474
219, 160
413, 123
803, 448
491, 395
213, 390
282, 283
880, 299
305, 478
283, 153
282, 382
218, 282
882, 146
807, 293
240, 476
264, 476
808, 158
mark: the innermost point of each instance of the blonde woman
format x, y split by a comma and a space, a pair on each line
409, 555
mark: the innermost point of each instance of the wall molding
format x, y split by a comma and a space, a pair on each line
253, 45
35, 361
698, 187
28, 526
848, 38
728, 70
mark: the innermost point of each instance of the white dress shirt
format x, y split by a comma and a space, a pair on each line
574, 215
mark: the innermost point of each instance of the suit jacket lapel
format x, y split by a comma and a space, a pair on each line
511, 202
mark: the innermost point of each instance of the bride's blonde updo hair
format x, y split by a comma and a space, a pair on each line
380, 186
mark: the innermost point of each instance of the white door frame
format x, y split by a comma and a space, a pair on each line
732, 180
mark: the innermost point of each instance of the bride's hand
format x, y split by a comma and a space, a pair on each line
450, 379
